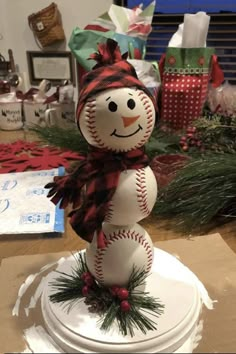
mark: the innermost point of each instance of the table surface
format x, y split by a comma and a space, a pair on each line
159, 230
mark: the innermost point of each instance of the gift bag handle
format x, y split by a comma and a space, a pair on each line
162, 65
217, 75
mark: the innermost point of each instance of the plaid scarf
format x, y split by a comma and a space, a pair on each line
99, 172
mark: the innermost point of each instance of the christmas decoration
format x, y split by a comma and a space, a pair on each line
186, 69
127, 306
211, 136
55, 136
105, 136
217, 133
110, 191
162, 141
21, 156
116, 116
202, 191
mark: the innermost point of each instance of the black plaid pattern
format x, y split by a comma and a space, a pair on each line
121, 74
100, 173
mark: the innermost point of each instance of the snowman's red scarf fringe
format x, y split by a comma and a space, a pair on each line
100, 173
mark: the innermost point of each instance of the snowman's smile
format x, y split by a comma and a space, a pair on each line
126, 136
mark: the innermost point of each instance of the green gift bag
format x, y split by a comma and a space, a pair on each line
186, 73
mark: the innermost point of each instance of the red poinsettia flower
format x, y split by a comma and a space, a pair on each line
172, 60
201, 61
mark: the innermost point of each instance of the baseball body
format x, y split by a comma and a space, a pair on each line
134, 197
127, 248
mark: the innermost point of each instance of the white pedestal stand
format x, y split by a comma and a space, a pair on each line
174, 284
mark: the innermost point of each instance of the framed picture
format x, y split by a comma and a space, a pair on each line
53, 66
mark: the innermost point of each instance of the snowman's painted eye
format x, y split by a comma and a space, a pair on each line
131, 103
112, 106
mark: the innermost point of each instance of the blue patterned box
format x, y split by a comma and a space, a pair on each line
24, 206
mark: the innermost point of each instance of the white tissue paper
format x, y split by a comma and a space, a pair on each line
24, 206
193, 32
146, 72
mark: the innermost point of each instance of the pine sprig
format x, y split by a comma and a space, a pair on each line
201, 191
137, 278
70, 288
218, 133
70, 139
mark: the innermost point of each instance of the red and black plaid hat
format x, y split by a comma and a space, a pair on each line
111, 71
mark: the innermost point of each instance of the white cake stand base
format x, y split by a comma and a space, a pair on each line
170, 281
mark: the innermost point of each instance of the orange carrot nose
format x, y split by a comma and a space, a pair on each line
129, 120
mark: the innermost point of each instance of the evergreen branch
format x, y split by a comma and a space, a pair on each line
201, 191
70, 139
110, 316
137, 278
69, 290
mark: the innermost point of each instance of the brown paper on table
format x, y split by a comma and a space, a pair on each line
208, 257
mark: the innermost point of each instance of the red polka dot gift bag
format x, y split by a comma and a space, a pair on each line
185, 76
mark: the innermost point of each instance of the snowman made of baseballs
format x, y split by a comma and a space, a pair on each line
122, 120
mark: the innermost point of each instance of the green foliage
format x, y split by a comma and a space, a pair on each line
100, 299
200, 192
204, 189
66, 139
162, 142
217, 133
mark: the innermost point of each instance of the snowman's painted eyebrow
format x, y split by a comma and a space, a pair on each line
108, 98
130, 94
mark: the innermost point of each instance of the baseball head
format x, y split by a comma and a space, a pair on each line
120, 119
128, 247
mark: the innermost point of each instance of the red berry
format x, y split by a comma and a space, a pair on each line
123, 294
192, 142
114, 290
190, 135
191, 129
85, 275
85, 290
185, 147
199, 143
89, 280
183, 138
125, 306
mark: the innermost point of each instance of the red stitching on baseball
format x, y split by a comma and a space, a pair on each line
91, 123
110, 212
98, 265
142, 191
150, 116
115, 236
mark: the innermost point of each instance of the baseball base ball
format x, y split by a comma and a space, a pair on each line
127, 247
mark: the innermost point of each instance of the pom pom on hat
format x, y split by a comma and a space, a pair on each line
111, 71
